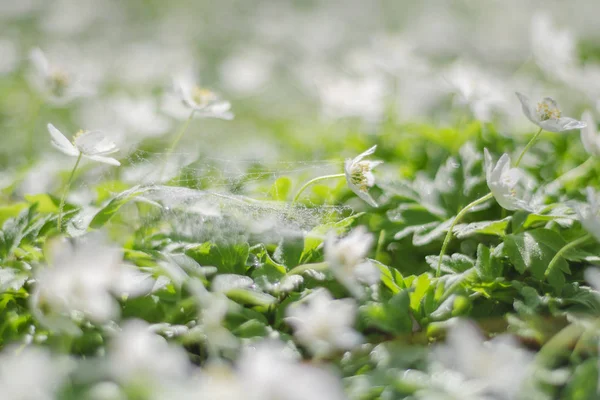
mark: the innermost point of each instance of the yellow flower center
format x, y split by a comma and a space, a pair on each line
358, 175
59, 81
547, 110
202, 97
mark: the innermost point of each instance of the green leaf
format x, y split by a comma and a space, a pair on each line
496, 228
533, 250
488, 267
455, 263
229, 259
281, 188
315, 237
584, 382
250, 297
113, 206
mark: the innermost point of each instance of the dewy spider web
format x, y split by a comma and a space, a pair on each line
218, 199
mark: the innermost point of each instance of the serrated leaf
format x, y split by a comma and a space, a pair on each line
496, 228
109, 210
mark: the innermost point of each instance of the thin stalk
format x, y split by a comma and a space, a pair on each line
531, 142
307, 184
456, 219
65, 192
176, 141
562, 251
572, 174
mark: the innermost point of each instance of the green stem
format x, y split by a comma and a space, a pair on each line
176, 141
65, 192
299, 269
572, 174
307, 184
562, 251
454, 222
531, 142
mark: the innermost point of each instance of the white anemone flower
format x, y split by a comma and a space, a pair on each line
500, 367
57, 84
89, 144
503, 181
547, 115
359, 176
346, 259
187, 97
323, 324
589, 135
589, 214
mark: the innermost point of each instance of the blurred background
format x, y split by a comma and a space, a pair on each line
302, 76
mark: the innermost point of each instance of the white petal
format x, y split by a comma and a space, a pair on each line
39, 61
489, 164
106, 160
527, 107
589, 135
61, 142
95, 143
561, 124
364, 154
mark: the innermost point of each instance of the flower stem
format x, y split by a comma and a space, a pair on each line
176, 141
307, 184
562, 251
456, 219
571, 174
531, 142
64, 195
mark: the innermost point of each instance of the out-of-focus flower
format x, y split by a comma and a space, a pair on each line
346, 259
140, 116
268, 371
547, 115
57, 84
503, 181
323, 324
82, 279
187, 97
589, 214
31, 373
247, 72
589, 135
500, 366
89, 144
139, 357
554, 50
359, 175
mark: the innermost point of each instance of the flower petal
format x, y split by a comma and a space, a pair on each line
61, 142
95, 143
39, 61
562, 124
105, 160
364, 154
527, 107
589, 135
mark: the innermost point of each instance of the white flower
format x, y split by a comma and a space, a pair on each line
31, 373
503, 181
269, 371
323, 324
547, 115
57, 84
359, 175
138, 356
589, 213
89, 144
589, 135
499, 365
346, 259
82, 279
187, 97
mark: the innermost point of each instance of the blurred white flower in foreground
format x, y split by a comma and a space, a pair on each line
57, 84
554, 50
589, 135
346, 259
503, 181
323, 324
547, 115
268, 371
187, 97
31, 373
589, 214
359, 175
82, 279
499, 366
89, 144
140, 358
